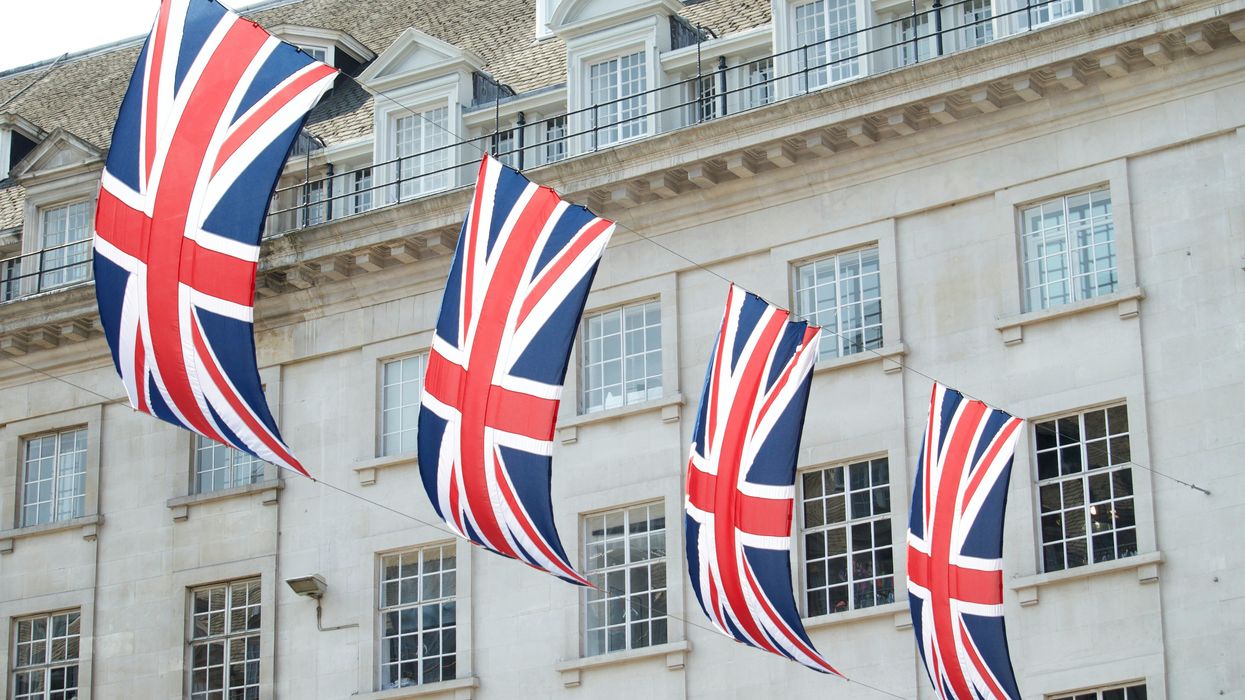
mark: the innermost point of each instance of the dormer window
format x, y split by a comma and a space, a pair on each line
331, 46
615, 89
64, 243
420, 142
320, 53
825, 31
18, 137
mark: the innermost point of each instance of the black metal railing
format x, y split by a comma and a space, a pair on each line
720, 91
51, 268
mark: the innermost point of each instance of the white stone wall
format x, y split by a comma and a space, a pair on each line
941, 205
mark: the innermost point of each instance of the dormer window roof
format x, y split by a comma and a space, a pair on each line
18, 137
331, 46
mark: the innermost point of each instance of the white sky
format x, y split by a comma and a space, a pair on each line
34, 30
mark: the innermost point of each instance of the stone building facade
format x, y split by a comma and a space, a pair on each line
1040, 204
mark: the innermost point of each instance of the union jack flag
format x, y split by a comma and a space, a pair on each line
515, 293
201, 137
741, 477
955, 547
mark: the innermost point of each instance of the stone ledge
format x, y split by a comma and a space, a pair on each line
898, 610
88, 524
888, 355
366, 470
1127, 301
568, 430
181, 505
459, 689
1146, 565
572, 669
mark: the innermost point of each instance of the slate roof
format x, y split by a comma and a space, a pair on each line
82, 93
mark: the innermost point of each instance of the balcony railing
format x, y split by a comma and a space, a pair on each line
724, 90
50, 268
720, 91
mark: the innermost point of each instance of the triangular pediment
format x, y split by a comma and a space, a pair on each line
575, 17
61, 152
415, 57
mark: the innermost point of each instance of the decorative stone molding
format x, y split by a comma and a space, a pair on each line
572, 670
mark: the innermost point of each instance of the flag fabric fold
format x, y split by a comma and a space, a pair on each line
741, 477
524, 262
202, 134
955, 547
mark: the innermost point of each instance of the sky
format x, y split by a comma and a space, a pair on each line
34, 31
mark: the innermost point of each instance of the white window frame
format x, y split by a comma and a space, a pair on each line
614, 124
1008, 205
874, 522
978, 34
603, 45
383, 410
436, 93
12, 465
1098, 693
48, 666
833, 340
1069, 250
236, 461
785, 12
428, 162
399, 586
77, 508
228, 636
588, 364
76, 253
600, 600
754, 74
1064, 486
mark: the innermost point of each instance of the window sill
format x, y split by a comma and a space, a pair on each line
1146, 565
568, 430
1127, 300
366, 470
88, 524
462, 688
181, 505
572, 670
888, 355
897, 610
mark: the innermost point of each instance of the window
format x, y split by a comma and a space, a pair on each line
505, 145
420, 144
615, 87
1069, 249
402, 383
313, 209
622, 357
626, 554
54, 478
361, 189
418, 619
555, 138
1054, 11
848, 559
224, 641
219, 467
65, 244
760, 90
1085, 488
706, 89
316, 52
842, 294
826, 31
46, 663
1134, 691
977, 26
917, 44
